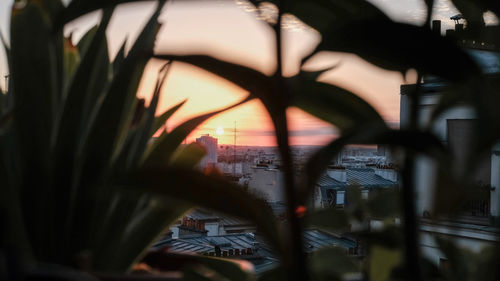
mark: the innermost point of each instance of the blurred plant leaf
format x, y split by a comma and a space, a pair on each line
71, 57
142, 230
329, 219
332, 262
113, 117
209, 191
188, 156
146, 130
255, 82
225, 268
162, 149
390, 237
473, 12
162, 119
332, 104
84, 42
34, 77
320, 14
119, 58
459, 259
382, 262
384, 203
77, 8
380, 42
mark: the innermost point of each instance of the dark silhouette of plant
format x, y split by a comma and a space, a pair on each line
106, 150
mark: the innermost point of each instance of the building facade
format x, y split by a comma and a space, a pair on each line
210, 144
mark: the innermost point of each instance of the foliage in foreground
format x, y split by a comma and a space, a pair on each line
52, 172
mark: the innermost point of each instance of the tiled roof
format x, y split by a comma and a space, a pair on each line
263, 258
364, 177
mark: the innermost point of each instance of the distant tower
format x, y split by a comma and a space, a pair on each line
210, 145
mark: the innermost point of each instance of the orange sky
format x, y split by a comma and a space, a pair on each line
231, 32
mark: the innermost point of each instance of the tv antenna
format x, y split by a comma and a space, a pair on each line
234, 151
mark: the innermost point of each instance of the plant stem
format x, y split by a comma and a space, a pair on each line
410, 218
296, 266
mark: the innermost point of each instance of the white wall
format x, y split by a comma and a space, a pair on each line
267, 183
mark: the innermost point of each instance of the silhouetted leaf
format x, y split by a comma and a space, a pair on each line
332, 262
320, 14
329, 219
113, 118
382, 262
77, 8
332, 104
255, 82
162, 149
210, 192
119, 58
221, 268
84, 43
146, 130
398, 46
188, 156
142, 230
473, 12
384, 203
162, 119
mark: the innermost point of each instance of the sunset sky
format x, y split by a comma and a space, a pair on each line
231, 31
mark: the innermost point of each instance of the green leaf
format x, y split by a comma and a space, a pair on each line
188, 156
119, 58
84, 43
163, 148
381, 43
33, 80
77, 8
210, 192
332, 262
146, 130
143, 229
83, 89
461, 260
382, 262
162, 119
71, 57
329, 219
34, 83
384, 203
113, 118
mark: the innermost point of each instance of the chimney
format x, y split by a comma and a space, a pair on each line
450, 32
459, 27
387, 172
436, 27
338, 173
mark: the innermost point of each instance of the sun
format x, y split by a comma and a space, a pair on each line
219, 131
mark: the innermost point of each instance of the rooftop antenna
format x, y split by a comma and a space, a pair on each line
6, 82
234, 151
456, 18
